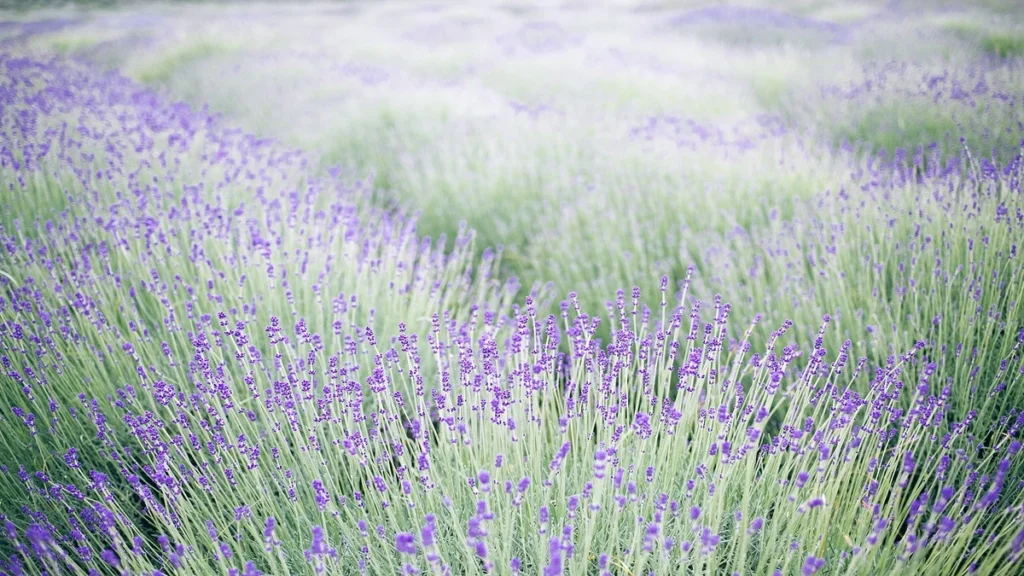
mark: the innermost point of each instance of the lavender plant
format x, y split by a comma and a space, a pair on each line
572, 146
221, 356
901, 105
140, 239
518, 457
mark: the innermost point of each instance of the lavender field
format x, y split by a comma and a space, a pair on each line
539, 287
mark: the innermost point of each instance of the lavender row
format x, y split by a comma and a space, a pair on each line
217, 361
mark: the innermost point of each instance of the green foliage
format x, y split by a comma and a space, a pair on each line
163, 68
1003, 45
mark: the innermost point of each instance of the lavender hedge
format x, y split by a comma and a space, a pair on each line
219, 360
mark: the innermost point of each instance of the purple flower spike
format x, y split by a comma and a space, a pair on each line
428, 530
319, 552
599, 464
811, 565
71, 458
554, 565
110, 557
524, 484
405, 543
320, 495
269, 539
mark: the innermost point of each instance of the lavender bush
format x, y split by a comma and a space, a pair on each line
224, 355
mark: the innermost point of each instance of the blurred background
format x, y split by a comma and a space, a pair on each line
599, 144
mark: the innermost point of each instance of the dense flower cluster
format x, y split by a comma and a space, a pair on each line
217, 360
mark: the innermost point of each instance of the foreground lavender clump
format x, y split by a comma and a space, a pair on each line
193, 384
511, 446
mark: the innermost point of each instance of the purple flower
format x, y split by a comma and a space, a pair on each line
320, 495
269, 539
428, 530
811, 565
811, 504
556, 463
708, 540
554, 565
599, 464
318, 551
642, 425
524, 484
405, 543
1018, 543
71, 458
110, 557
